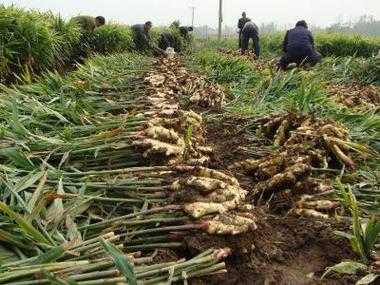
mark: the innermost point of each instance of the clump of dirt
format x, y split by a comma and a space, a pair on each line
232, 141
355, 95
283, 250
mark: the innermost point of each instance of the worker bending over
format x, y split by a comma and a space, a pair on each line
166, 41
242, 21
250, 31
88, 24
185, 30
141, 37
298, 47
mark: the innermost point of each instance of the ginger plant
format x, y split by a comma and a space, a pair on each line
363, 239
364, 235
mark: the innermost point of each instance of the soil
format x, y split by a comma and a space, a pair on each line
233, 140
355, 95
283, 250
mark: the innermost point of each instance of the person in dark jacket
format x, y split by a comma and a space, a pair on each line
250, 31
184, 31
242, 21
298, 47
89, 24
167, 40
142, 40
141, 36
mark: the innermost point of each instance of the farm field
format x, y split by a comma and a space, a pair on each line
209, 167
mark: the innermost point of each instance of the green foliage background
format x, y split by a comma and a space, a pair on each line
32, 42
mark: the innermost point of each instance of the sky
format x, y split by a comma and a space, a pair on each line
163, 12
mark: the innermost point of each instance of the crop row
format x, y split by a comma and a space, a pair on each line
328, 44
32, 42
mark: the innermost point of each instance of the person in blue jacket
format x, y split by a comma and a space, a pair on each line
298, 47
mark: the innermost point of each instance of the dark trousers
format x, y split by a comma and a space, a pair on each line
83, 49
166, 41
246, 37
300, 57
240, 39
141, 44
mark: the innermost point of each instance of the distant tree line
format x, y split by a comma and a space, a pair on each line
366, 25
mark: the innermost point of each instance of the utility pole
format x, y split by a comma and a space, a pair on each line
192, 15
220, 19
